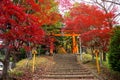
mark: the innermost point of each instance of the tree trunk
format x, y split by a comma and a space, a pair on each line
100, 55
104, 56
92, 55
5, 75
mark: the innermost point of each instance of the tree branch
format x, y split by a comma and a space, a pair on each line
113, 2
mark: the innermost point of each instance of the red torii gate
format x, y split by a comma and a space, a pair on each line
74, 42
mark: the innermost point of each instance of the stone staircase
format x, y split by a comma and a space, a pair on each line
67, 68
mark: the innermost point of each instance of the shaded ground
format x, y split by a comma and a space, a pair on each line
105, 74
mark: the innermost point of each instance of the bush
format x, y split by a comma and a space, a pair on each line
23, 54
114, 51
85, 58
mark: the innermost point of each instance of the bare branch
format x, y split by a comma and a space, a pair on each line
116, 17
111, 2
101, 6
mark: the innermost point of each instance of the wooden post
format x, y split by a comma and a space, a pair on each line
33, 66
97, 61
34, 52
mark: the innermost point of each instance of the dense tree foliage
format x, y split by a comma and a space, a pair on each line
20, 24
114, 50
93, 23
88, 20
15, 27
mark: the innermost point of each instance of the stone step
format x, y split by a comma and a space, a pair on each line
70, 62
68, 76
68, 70
69, 73
68, 79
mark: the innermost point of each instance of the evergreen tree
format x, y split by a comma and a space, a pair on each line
114, 51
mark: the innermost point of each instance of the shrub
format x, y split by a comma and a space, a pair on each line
114, 51
23, 54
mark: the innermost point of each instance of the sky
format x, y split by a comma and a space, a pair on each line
65, 7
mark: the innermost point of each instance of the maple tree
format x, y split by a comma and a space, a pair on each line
83, 17
21, 23
92, 23
99, 40
17, 26
47, 10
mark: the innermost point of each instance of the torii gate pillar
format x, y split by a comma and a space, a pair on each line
75, 45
